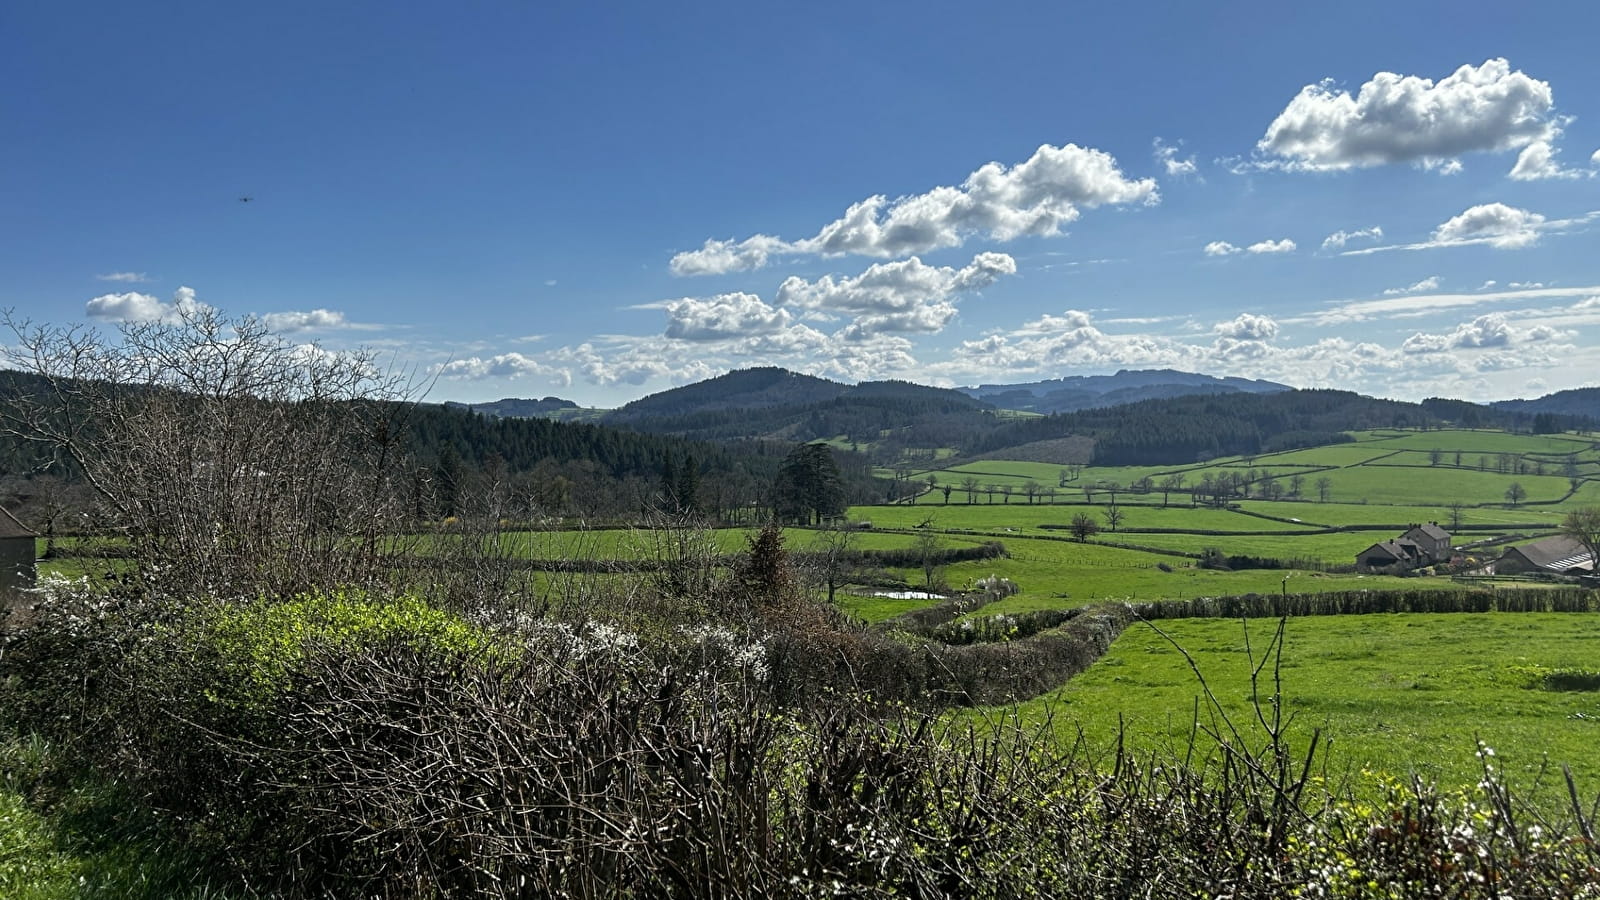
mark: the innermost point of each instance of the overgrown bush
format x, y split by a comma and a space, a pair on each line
352, 745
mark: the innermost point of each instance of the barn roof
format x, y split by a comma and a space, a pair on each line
11, 528
1558, 553
1394, 549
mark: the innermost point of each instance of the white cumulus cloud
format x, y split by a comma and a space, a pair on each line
717, 257
1486, 332
1537, 162
905, 296
1280, 246
1034, 197
137, 307
506, 365
291, 322
1338, 239
1223, 248
1431, 283
723, 316
1248, 327
1409, 119
1495, 224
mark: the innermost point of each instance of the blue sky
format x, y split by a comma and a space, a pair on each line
528, 199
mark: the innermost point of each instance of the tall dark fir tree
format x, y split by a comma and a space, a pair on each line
809, 488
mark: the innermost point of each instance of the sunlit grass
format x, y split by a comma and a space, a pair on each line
1401, 693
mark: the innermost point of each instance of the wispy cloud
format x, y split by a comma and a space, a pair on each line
1492, 224
1417, 305
1431, 283
125, 277
1167, 156
1338, 239
1223, 248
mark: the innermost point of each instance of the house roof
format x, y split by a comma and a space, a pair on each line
1431, 530
11, 528
1394, 549
1558, 553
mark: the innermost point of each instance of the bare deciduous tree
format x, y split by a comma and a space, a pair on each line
233, 461
835, 554
1114, 515
1583, 526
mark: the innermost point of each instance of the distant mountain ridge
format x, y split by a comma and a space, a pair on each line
1584, 402
520, 408
1078, 392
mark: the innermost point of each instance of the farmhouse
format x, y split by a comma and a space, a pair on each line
1421, 545
1431, 540
1560, 554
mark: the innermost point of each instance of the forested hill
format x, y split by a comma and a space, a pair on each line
1185, 429
520, 443
768, 388
780, 405
513, 407
562, 468
740, 390
1126, 386
1583, 402
606, 470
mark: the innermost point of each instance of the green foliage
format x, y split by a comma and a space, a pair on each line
808, 488
259, 644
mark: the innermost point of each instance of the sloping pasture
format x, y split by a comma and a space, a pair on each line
1400, 694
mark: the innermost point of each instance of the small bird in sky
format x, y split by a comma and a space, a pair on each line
245, 199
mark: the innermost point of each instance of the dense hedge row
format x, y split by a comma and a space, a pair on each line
380, 747
1334, 603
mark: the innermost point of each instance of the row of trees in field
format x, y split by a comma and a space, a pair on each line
1213, 488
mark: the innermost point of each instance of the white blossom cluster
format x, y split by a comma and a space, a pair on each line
719, 644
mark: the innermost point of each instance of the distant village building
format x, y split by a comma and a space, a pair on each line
17, 552
1421, 545
1560, 555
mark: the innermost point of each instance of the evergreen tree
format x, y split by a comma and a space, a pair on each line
808, 488
688, 487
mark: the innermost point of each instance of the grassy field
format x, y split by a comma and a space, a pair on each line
1400, 693
1383, 468
1340, 547
1021, 516
1377, 485
1055, 573
1474, 441
1344, 514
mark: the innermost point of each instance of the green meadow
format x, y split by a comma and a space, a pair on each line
1397, 694
1410, 693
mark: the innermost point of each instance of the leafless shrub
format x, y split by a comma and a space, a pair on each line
586, 761
232, 461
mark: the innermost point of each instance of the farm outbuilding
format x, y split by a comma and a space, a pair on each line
1389, 553
17, 553
1559, 554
